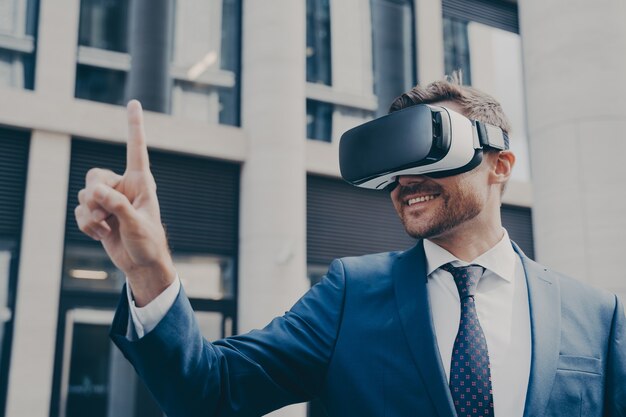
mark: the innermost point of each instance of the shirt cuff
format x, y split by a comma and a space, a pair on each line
146, 318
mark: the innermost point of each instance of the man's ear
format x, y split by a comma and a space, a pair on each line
501, 166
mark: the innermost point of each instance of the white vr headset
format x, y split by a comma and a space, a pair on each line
423, 139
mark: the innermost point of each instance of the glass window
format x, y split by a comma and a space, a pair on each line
100, 84
6, 317
208, 56
318, 58
393, 50
456, 48
17, 69
97, 380
18, 19
206, 277
497, 69
319, 116
88, 268
103, 24
205, 57
203, 276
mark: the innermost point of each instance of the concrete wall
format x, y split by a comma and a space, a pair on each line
575, 89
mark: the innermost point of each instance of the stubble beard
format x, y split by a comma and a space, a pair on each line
455, 207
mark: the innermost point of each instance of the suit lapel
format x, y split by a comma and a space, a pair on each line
409, 275
545, 321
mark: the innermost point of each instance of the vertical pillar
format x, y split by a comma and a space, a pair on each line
41, 253
575, 89
429, 34
150, 32
272, 255
39, 280
57, 45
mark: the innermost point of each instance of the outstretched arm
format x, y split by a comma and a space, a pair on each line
247, 375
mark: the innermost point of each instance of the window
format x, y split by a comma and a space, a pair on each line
104, 24
18, 22
393, 35
481, 39
318, 61
319, 120
7, 272
318, 68
456, 48
91, 376
14, 148
205, 55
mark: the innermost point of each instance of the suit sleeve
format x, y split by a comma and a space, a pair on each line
246, 375
615, 405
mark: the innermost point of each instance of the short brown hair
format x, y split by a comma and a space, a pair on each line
475, 104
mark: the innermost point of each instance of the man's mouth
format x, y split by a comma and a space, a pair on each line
421, 199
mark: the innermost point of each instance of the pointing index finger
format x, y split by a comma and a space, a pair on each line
136, 149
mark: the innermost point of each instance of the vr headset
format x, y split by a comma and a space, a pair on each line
423, 139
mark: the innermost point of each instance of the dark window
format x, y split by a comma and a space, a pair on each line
17, 61
518, 222
319, 120
393, 45
501, 14
14, 147
104, 24
456, 16
91, 376
100, 84
343, 220
456, 48
318, 58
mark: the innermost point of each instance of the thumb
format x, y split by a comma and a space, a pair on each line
115, 203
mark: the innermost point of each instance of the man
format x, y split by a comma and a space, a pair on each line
461, 324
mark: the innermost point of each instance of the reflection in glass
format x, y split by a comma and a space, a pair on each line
97, 379
205, 277
393, 50
498, 70
319, 116
100, 84
87, 391
16, 69
318, 59
206, 103
5, 311
90, 269
209, 56
103, 24
456, 48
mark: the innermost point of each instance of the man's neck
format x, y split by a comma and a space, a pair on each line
468, 243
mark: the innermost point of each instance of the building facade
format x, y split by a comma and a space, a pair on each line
244, 151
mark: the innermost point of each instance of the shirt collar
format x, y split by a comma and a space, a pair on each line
500, 259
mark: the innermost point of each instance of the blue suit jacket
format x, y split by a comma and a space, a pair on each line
363, 342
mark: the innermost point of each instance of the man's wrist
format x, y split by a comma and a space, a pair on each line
148, 282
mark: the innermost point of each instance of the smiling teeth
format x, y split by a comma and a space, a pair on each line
421, 199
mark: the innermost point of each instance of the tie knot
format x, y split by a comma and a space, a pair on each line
466, 278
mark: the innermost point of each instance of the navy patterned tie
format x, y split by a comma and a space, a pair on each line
470, 376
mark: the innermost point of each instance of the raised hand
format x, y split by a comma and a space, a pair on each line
122, 212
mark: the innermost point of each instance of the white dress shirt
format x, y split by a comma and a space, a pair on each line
148, 317
502, 306
501, 303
